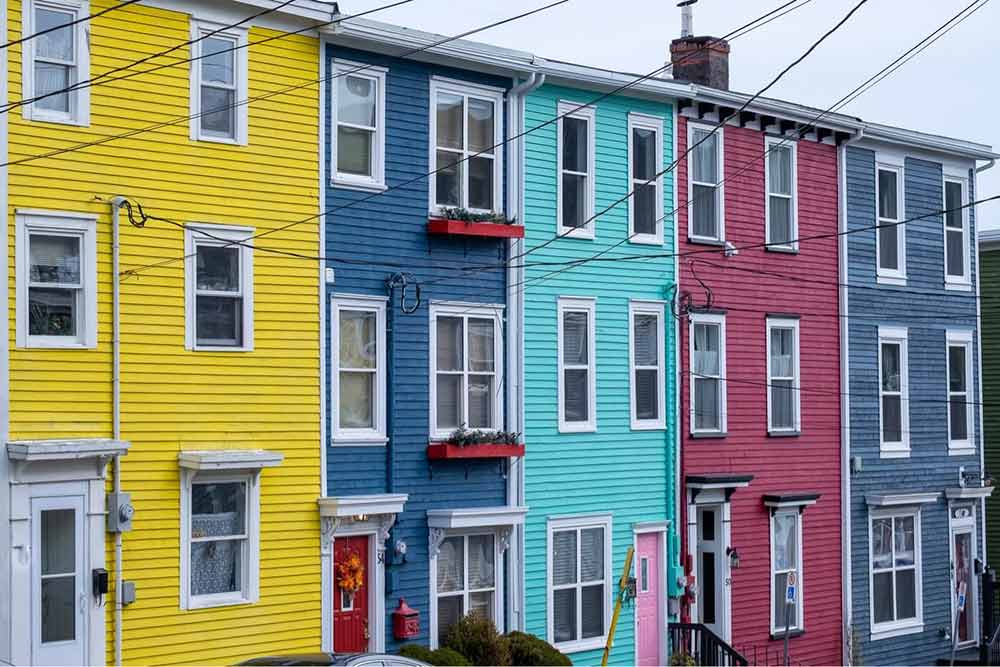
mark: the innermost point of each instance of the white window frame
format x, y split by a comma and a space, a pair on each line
719, 186
578, 305
796, 378
358, 437
466, 90
250, 592
196, 234
648, 308
963, 338
771, 143
908, 626
898, 336
57, 223
888, 276
79, 99
963, 282
655, 124
567, 109
466, 312
719, 320
578, 523
376, 182
199, 29
778, 624
498, 574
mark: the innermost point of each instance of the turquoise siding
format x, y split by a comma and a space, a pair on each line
616, 470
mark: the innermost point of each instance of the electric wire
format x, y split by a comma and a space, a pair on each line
68, 24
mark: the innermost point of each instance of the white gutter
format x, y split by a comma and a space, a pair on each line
989, 165
116, 205
678, 525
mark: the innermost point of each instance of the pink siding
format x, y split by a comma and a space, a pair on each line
810, 462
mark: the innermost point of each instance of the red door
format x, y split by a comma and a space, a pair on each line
350, 603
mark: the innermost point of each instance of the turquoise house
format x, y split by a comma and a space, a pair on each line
599, 365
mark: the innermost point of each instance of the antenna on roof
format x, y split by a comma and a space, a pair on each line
687, 18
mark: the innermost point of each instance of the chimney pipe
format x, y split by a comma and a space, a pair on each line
687, 18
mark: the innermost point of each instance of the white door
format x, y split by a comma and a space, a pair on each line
964, 580
711, 569
58, 581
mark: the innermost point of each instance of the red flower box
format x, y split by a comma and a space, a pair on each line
467, 228
439, 451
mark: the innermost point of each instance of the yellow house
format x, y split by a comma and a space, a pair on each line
163, 347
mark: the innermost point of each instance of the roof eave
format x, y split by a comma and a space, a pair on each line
947, 145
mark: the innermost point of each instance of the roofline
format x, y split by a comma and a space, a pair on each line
932, 142
778, 108
990, 238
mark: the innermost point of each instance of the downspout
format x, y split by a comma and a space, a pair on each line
116, 382
981, 432
987, 166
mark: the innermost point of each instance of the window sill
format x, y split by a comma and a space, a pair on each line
784, 434
958, 286
588, 427
650, 425
964, 450
896, 631
898, 281
698, 240
894, 453
581, 233
231, 141
646, 239
708, 435
792, 633
55, 345
36, 116
348, 441
787, 251
581, 645
219, 348
223, 601
363, 186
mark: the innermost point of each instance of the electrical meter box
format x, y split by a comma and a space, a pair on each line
120, 512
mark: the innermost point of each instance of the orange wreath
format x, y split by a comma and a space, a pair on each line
351, 573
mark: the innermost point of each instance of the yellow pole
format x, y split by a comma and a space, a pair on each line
622, 587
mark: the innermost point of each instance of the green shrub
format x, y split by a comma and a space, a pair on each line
417, 652
476, 638
443, 657
531, 651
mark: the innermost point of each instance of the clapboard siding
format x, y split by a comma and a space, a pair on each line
615, 470
989, 266
927, 310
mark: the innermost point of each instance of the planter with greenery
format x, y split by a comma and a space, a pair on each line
461, 222
476, 444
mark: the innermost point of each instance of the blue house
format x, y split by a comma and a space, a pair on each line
914, 462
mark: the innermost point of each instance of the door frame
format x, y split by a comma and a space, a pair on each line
660, 529
718, 498
965, 524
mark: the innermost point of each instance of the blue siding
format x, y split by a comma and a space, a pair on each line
928, 311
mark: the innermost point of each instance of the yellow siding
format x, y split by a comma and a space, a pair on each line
173, 399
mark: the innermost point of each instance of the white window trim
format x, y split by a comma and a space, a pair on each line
251, 564
199, 27
588, 305
898, 335
720, 186
63, 223
467, 90
770, 143
567, 109
648, 308
793, 324
467, 311
654, 123
886, 276
961, 338
376, 182
358, 437
720, 320
229, 233
498, 574
963, 282
778, 624
908, 626
577, 523
80, 98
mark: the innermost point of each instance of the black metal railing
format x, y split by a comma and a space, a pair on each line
695, 644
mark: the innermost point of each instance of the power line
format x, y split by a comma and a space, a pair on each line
61, 26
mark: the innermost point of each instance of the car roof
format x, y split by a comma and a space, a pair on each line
327, 659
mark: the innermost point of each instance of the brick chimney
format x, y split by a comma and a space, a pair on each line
701, 60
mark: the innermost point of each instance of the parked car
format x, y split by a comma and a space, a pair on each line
339, 659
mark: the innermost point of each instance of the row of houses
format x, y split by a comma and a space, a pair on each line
324, 333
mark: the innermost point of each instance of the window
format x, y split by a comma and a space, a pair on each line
218, 83
891, 237
219, 279
56, 61
358, 379
956, 234
579, 565
783, 387
576, 349
56, 262
706, 209
467, 576
466, 385
466, 139
782, 213
895, 571
894, 419
786, 560
577, 143
646, 184
960, 400
358, 155
648, 370
708, 368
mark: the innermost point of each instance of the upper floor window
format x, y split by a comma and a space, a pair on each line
960, 400
894, 418
646, 163
218, 83
956, 234
706, 209
577, 146
891, 237
56, 263
579, 562
358, 377
648, 370
895, 570
782, 213
467, 144
56, 61
708, 373
359, 121
786, 561
219, 287
783, 383
577, 367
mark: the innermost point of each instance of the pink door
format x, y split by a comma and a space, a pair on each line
650, 598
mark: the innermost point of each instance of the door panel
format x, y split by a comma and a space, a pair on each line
965, 582
649, 603
350, 608
711, 569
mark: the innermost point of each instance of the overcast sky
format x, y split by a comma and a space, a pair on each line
952, 88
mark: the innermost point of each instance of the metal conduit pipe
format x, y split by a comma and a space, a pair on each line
116, 205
